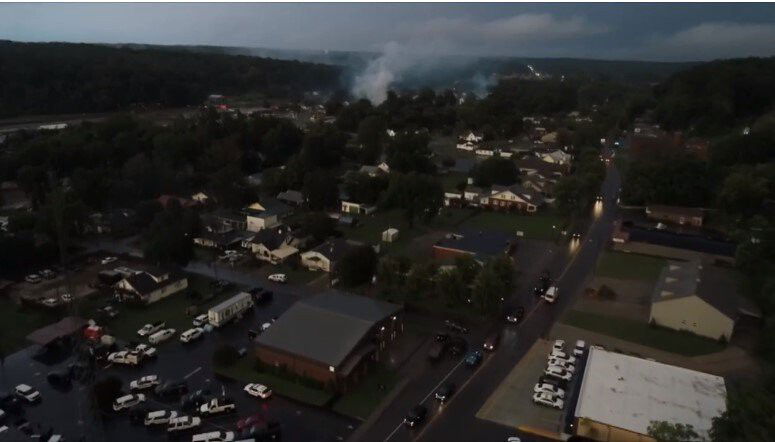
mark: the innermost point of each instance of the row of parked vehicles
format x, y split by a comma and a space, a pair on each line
560, 368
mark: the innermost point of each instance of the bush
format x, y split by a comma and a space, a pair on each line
104, 392
606, 293
225, 355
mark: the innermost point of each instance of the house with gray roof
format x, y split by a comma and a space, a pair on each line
332, 337
699, 298
151, 284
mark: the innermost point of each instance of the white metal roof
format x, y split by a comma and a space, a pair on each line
629, 393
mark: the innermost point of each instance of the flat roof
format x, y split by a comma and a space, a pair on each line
629, 393
65, 327
326, 327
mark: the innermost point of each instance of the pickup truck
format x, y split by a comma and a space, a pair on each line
125, 357
217, 406
149, 329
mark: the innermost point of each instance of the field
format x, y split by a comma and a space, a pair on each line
682, 343
538, 226
629, 266
360, 402
17, 322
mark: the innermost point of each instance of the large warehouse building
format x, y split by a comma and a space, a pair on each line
332, 337
622, 395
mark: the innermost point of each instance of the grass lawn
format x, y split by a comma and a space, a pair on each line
538, 226
17, 323
682, 343
171, 310
622, 265
362, 401
450, 180
295, 275
244, 371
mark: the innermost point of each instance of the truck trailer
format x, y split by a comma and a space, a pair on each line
232, 308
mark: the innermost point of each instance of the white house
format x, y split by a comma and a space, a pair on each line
273, 245
473, 137
152, 285
258, 221
326, 256
485, 152
512, 198
357, 208
556, 157
467, 145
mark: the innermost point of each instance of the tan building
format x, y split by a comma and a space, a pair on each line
699, 298
621, 395
683, 216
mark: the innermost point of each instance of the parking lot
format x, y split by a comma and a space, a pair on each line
512, 402
71, 413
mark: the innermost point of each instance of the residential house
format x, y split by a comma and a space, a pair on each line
254, 180
549, 138
556, 156
202, 198
512, 198
384, 167
473, 195
533, 165
13, 197
223, 240
116, 222
699, 298
466, 145
166, 201
265, 214
453, 198
683, 216
291, 197
481, 245
371, 171
544, 186
357, 208
485, 152
273, 245
151, 285
224, 220
473, 137
326, 256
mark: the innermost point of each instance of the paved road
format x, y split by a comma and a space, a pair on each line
456, 420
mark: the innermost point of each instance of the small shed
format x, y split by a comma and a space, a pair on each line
390, 235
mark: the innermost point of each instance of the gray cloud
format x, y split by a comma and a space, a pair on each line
715, 40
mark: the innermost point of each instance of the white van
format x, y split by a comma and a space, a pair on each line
551, 294
215, 436
161, 336
191, 334
183, 423
160, 417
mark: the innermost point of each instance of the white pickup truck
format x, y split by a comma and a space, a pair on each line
125, 357
217, 406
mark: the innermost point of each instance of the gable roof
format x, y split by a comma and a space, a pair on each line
293, 196
326, 327
271, 238
536, 164
267, 206
144, 284
482, 244
335, 249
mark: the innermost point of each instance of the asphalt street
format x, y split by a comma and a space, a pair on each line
70, 412
455, 420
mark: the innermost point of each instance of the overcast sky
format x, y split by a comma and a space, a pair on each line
610, 31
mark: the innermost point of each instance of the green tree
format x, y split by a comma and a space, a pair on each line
168, 239
225, 355
371, 133
104, 392
420, 196
321, 190
451, 287
495, 170
664, 431
357, 266
392, 273
318, 224
421, 280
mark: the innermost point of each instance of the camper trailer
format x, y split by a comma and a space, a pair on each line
233, 307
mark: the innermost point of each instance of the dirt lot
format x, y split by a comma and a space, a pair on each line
512, 402
632, 299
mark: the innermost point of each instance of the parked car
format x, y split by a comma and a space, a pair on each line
457, 346
125, 357
49, 302
171, 389
549, 388
191, 335
128, 401
262, 431
27, 393
192, 401
160, 417
249, 421
33, 278
108, 312
137, 414
108, 260
149, 329
161, 336
214, 436
258, 390
559, 383
547, 399
445, 392
492, 340
551, 294
452, 325
474, 358
278, 277
562, 355
48, 274
558, 372
580, 348
217, 406
515, 315
10, 403
416, 416
60, 379
66, 298
146, 350
144, 382
182, 424
441, 337
562, 363
200, 320
558, 345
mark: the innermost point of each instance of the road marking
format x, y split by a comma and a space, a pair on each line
197, 370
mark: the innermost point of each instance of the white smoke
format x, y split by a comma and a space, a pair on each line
374, 82
482, 84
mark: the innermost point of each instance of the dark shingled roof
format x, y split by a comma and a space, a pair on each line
271, 238
65, 327
335, 249
144, 284
326, 327
692, 212
482, 244
681, 241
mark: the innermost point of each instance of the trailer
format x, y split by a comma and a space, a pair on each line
232, 308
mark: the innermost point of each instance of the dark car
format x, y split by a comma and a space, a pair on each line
171, 389
474, 358
545, 280
492, 340
445, 392
457, 346
539, 291
515, 315
60, 379
10, 403
441, 337
452, 325
436, 351
192, 401
137, 415
260, 432
551, 380
416, 416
